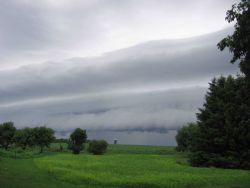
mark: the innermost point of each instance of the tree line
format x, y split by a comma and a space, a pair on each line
221, 135
43, 136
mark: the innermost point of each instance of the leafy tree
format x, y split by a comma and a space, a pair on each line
186, 137
43, 136
7, 131
77, 139
97, 147
239, 42
24, 137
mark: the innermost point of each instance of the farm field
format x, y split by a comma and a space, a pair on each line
121, 166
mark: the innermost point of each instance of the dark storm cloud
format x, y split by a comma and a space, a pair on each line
151, 64
150, 111
155, 86
48, 77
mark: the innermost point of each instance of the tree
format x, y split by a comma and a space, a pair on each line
186, 137
97, 147
224, 126
77, 139
43, 136
24, 137
224, 120
239, 42
7, 131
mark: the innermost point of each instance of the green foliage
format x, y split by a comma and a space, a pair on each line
97, 147
77, 138
224, 121
186, 137
224, 124
24, 137
7, 131
43, 136
239, 42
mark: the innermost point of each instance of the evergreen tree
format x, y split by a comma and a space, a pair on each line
224, 124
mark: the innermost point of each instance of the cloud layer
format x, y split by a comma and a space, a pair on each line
37, 31
154, 86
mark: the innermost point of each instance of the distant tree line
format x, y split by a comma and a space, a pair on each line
43, 136
221, 136
26, 137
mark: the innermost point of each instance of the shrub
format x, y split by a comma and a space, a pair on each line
186, 136
97, 147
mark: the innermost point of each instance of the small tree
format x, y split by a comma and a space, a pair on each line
24, 137
186, 137
43, 136
7, 131
77, 139
97, 147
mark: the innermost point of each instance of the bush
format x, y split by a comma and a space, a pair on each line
97, 147
186, 137
213, 160
199, 158
76, 148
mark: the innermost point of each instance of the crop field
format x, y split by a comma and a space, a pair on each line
121, 166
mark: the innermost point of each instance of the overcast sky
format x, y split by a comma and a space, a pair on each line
134, 65
37, 31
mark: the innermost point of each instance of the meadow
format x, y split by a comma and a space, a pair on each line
121, 166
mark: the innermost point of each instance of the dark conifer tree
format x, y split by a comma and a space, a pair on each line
224, 124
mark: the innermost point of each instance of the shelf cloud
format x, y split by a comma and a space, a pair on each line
134, 65
153, 86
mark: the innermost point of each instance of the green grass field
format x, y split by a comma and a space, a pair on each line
121, 166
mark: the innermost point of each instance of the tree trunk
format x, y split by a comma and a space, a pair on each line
6, 146
41, 149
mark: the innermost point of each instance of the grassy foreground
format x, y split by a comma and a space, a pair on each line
122, 166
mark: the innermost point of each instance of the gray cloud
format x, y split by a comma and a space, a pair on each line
154, 86
33, 32
115, 68
152, 64
150, 111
